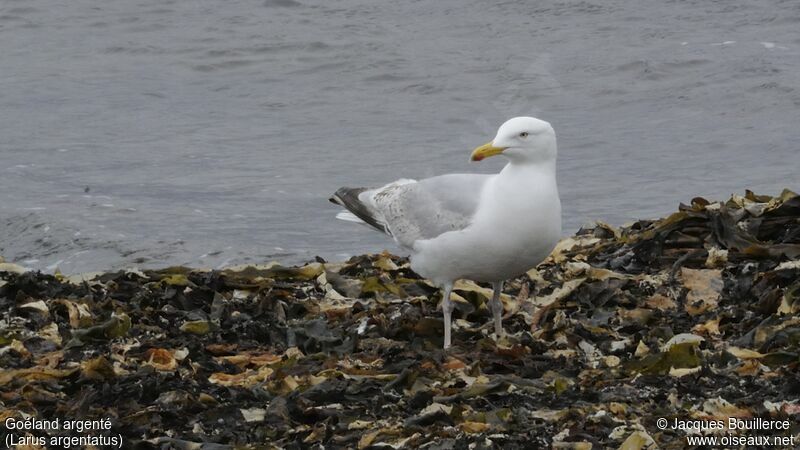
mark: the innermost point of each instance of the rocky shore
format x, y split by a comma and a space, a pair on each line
693, 317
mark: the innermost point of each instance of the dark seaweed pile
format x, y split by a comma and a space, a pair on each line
694, 316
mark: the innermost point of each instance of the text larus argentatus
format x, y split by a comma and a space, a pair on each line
481, 227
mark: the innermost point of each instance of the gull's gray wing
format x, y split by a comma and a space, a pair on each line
410, 210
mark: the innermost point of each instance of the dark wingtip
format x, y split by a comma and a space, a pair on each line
338, 197
348, 198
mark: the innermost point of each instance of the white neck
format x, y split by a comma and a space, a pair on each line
527, 168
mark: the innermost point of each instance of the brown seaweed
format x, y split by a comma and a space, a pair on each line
694, 315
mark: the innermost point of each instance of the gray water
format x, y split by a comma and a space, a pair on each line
210, 133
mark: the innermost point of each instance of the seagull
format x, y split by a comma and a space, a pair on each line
486, 228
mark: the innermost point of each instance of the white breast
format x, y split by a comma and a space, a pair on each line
515, 227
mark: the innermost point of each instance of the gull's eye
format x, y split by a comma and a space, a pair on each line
524, 134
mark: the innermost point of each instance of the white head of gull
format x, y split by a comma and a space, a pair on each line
486, 228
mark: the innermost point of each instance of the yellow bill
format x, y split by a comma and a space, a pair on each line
485, 151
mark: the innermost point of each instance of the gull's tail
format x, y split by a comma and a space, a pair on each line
359, 211
347, 216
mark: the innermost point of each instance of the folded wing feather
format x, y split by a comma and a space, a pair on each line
410, 210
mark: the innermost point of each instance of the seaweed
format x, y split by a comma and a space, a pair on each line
690, 316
